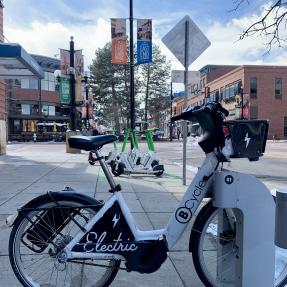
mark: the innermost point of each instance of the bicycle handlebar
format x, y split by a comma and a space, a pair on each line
210, 117
210, 108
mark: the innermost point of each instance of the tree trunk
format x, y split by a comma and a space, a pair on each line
146, 98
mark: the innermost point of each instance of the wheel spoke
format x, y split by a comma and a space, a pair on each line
46, 269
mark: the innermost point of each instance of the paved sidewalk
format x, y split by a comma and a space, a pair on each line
29, 170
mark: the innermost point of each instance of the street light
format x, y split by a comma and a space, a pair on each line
85, 80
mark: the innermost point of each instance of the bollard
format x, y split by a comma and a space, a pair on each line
280, 219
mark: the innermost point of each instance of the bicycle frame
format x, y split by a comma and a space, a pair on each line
172, 232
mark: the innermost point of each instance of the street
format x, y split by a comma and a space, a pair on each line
271, 168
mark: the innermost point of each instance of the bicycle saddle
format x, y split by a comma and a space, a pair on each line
89, 143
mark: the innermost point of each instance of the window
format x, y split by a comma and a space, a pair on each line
34, 109
253, 88
29, 84
45, 110
221, 94
48, 83
25, 109
52, 111
278, 88
16, 126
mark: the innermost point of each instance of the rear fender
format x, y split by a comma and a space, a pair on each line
55, 196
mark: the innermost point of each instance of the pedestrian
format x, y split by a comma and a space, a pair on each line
178, 134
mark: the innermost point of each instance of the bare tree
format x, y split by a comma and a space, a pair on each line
271, 25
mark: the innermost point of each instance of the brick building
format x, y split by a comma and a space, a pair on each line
264, 93
2, 95
34, 105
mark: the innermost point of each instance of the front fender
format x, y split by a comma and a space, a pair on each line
55, 196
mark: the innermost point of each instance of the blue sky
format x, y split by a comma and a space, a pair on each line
43, 26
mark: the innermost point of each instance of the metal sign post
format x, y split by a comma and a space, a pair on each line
184, 125
179, 40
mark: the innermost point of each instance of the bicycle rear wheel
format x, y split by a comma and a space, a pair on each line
39, 235
205, 244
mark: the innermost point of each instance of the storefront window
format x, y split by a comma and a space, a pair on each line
52, 111
48, 110
45, 110
25, 109
16, 126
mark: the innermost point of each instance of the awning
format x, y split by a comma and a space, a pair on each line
16, 63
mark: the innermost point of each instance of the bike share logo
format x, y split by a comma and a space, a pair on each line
184, 214
96, 243
247, 140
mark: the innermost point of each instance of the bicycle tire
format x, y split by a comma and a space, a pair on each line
44, 269
203, 226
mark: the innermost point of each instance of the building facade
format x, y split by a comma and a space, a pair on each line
34, 105
262, 88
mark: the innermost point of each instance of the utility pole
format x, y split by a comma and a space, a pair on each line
132, 89
87, 99
72, 83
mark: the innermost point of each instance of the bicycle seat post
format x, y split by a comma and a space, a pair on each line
107, 173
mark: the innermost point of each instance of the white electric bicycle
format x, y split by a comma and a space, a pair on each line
69, 239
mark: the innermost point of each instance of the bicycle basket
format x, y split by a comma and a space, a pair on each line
248, 137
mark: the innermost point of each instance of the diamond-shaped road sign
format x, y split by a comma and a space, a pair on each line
175, 41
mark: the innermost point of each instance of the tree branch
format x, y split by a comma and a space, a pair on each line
271, 25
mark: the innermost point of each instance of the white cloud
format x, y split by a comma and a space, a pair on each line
46, 38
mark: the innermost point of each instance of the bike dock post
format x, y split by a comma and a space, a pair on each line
280, 219
254, 208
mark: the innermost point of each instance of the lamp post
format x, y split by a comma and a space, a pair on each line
72, 82
86, 76
132, 92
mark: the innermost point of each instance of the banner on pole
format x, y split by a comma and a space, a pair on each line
65, 90
65, 61
79, 63
79, 90
144, 41
119, 41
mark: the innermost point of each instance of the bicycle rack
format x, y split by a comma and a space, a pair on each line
255, 212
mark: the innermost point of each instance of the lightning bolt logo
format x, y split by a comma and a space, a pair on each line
247, 140
115, 220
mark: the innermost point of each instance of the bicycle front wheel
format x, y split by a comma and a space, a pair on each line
205, 245
39, 235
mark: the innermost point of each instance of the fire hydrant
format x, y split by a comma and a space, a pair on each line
34, 137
